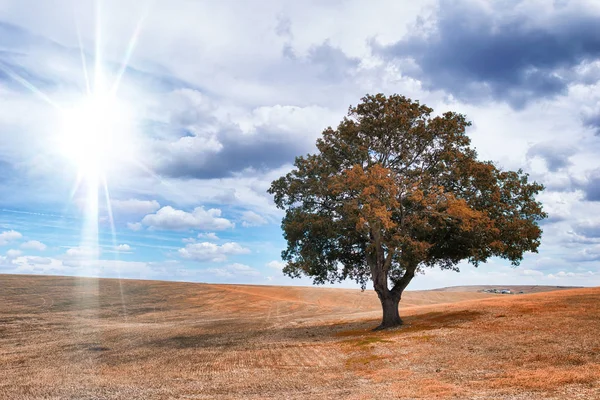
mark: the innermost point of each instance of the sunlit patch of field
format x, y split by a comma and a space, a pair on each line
70, 338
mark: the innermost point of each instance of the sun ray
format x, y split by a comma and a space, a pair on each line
90, 232
76, 186
28, 85
98, 137
113, 232
98, 47
130, 47
149, 171
82, 55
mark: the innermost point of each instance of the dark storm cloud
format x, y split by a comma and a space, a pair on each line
556, 157
196, 143
475, 54
213, 150
261, 151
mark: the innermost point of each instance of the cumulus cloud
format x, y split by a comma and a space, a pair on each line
79, 256
205, 147
81, 252
202, 235
97, 268
169, 218
12, 253
250, 218
233, 270
208, 235
35, 265
210, 252
501, 50
123, 247
9, 236
279, 265
34, 245
564, 274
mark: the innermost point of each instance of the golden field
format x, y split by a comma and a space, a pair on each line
82, 338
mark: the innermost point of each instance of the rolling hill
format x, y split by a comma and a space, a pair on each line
67, 338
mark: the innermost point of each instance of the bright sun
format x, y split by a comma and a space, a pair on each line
96, 133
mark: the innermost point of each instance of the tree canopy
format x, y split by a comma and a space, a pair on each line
394, 190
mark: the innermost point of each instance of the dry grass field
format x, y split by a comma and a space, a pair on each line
70, 338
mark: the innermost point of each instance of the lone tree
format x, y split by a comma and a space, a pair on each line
393, 191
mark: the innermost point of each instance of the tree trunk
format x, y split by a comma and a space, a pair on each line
379, 264
391, 316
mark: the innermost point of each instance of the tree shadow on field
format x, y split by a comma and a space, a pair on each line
439, 320
413, 323
245, 335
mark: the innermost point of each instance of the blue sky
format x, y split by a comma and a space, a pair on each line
213, 100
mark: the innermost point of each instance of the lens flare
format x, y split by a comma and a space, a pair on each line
96, 134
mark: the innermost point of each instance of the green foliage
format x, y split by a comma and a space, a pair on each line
394, 190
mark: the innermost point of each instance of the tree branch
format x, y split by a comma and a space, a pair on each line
405, 280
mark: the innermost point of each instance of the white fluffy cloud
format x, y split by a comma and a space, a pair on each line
123, 247
576, 275
13, 253
233, 270
81, 252
35, 264
276, 264
169, 218
80, 256
211, 252
34, 245
95, 268
250, 218
208, 235
9, 236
